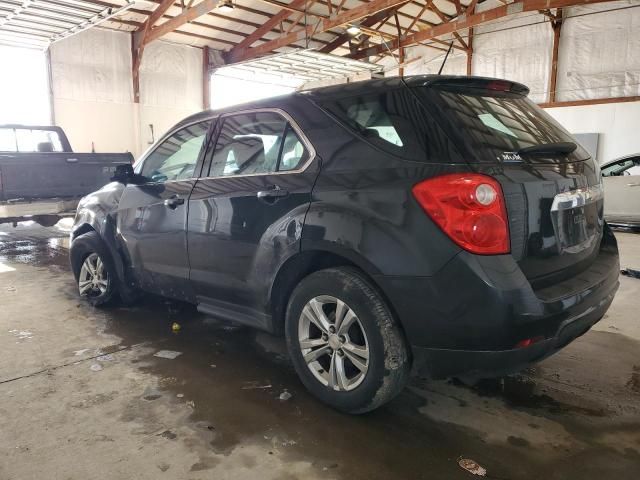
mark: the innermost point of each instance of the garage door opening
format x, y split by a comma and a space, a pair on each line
283, 73
230, 87
24, 87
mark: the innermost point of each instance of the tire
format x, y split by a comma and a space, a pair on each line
368, 327
90, 248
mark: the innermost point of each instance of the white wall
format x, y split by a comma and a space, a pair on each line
93, 92
617, 124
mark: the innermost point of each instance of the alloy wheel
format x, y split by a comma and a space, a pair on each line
333, 343
93, 280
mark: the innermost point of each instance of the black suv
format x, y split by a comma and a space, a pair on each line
445, 224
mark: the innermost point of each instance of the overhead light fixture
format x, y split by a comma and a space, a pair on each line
226, 6
353, 30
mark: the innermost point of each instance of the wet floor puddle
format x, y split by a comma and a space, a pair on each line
232, 378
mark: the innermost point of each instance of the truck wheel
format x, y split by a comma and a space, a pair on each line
93, 269
46, 220
345, 345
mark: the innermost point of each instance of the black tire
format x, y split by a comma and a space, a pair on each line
389, 362
83, 247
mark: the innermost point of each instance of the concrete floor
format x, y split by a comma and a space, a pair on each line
83, 397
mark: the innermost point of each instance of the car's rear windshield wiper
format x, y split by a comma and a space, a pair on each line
548, 148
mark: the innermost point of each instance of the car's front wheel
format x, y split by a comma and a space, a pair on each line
93, 269
344, 342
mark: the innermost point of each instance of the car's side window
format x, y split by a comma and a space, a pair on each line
252, 143
628, 166
294, 154
177, 156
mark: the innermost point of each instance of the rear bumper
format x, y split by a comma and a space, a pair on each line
468, 318
442, 363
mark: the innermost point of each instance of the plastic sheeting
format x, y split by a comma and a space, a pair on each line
171, 76
94, 65
600, 54
93, 89
430, 61
518, 48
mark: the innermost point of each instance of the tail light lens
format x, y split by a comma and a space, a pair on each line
469, 208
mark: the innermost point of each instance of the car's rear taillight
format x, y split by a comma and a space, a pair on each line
469, 208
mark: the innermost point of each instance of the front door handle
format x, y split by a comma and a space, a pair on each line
633, 184
173, 202
272, 194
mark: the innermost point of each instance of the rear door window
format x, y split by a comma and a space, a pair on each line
257, 143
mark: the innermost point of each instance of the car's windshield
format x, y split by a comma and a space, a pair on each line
629, 166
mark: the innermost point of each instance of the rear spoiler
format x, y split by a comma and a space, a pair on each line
463, 83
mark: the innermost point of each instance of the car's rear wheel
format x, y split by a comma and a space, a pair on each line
344, 342
93, 269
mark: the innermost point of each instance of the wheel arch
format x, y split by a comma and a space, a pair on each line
306, 262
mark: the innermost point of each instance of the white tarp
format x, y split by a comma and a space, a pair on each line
93, 89
430, 61
171, 76
600, 54
518, 47
94, 65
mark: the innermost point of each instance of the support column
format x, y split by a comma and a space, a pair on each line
136, 58
556, 25
206, 79
470, 52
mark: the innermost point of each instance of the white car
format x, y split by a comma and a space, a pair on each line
621, 178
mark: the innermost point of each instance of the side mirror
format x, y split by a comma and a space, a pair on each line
123, 174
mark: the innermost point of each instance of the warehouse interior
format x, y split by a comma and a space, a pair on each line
87, 393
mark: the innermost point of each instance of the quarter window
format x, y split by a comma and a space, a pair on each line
177, 156
255, 143
393, 121
294, 155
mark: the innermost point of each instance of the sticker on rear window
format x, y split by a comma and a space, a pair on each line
510, 157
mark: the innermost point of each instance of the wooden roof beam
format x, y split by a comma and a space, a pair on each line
322, 25
370, 21
266, 27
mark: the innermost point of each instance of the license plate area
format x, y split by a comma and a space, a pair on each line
576, 216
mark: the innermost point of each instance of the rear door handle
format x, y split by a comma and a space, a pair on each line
173, 202
72, 160
633, 184
272, 194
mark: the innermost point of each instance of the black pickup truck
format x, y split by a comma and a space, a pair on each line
42, 179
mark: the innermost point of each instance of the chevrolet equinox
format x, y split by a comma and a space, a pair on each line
438, 224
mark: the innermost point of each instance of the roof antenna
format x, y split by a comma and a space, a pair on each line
445, 58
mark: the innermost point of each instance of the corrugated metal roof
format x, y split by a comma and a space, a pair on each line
38, 23
305, 65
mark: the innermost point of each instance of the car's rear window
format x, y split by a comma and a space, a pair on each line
396, 122
496, 123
